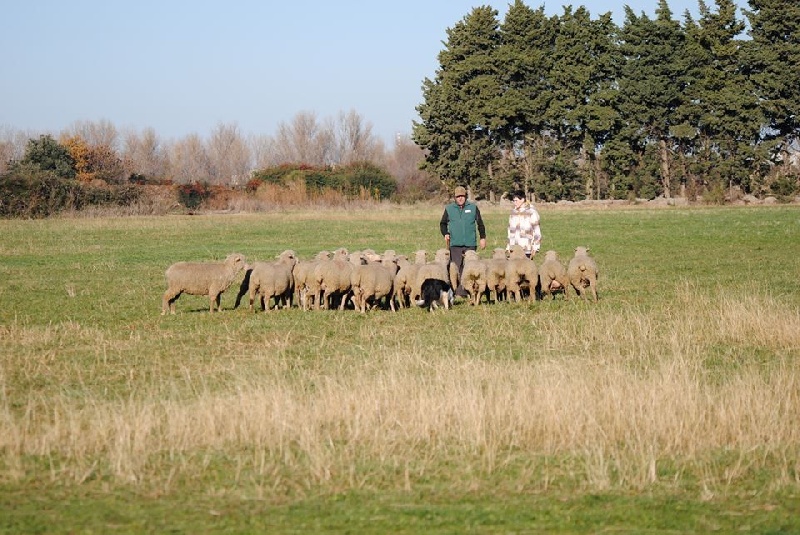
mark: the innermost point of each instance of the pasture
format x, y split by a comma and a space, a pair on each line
670, 406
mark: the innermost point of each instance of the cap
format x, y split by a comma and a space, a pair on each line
460, 190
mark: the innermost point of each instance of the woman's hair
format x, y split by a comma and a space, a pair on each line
518, 194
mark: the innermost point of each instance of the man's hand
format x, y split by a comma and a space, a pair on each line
447, 239
483, 243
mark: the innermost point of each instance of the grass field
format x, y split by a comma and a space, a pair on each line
670, 406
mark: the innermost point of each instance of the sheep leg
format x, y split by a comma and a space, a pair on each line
168, 302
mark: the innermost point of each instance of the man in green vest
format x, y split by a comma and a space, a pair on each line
458, 228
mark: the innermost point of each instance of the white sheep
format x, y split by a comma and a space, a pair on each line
521, 274
553, 276
370, 283
201, 278
582, 271
473, 276
496, 278
440, 268
332, 279
303, 273
273, 280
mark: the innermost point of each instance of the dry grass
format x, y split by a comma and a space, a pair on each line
629, 400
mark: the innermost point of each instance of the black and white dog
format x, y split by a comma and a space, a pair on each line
435, 293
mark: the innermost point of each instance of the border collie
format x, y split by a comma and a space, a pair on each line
435, 293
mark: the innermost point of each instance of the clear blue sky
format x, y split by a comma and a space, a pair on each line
183, 67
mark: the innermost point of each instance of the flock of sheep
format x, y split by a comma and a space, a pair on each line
366, 280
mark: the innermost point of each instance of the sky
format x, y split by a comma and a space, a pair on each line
185, 67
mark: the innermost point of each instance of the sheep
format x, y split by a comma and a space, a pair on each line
553, 276
332, 278
201, 278
273, 280
440, 268
521, 274
371, 283
582, 271
473, 276
303, 273
496, 278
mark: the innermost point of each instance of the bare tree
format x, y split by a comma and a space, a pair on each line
304, 140
228, 156
188, 161
12, 145
355, 141
144, 154
262, 147
403, 163
95, 133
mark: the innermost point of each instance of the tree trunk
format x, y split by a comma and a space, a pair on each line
663, 153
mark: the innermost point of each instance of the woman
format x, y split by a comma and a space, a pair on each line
523, 225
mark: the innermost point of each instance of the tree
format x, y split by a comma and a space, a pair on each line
228, 156
47, 154
188, 161
652, 84
772, 58
355, 141
459, 123
304, 141
403, 163
145, 155
582, 114
525, 54
721, 120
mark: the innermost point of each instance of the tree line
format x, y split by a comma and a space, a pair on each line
93, 163
575, 107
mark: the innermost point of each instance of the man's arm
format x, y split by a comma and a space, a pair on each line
481, 227
444, 223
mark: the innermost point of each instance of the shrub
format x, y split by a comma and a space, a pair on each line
193, 195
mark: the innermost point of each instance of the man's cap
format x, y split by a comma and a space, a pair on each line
460, 190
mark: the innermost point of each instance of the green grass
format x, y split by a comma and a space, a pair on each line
670, 406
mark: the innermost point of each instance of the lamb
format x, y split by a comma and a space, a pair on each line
521, 274
583, 273
473, 276
273, 280
201, 278
553, 276
405, 278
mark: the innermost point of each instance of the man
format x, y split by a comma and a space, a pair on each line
458, 228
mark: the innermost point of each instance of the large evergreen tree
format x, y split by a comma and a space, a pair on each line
720, 113
773, 60
459, 125
652, 86
525, 56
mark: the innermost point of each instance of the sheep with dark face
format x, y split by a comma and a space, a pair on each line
582, 271
201, 278
553, 277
